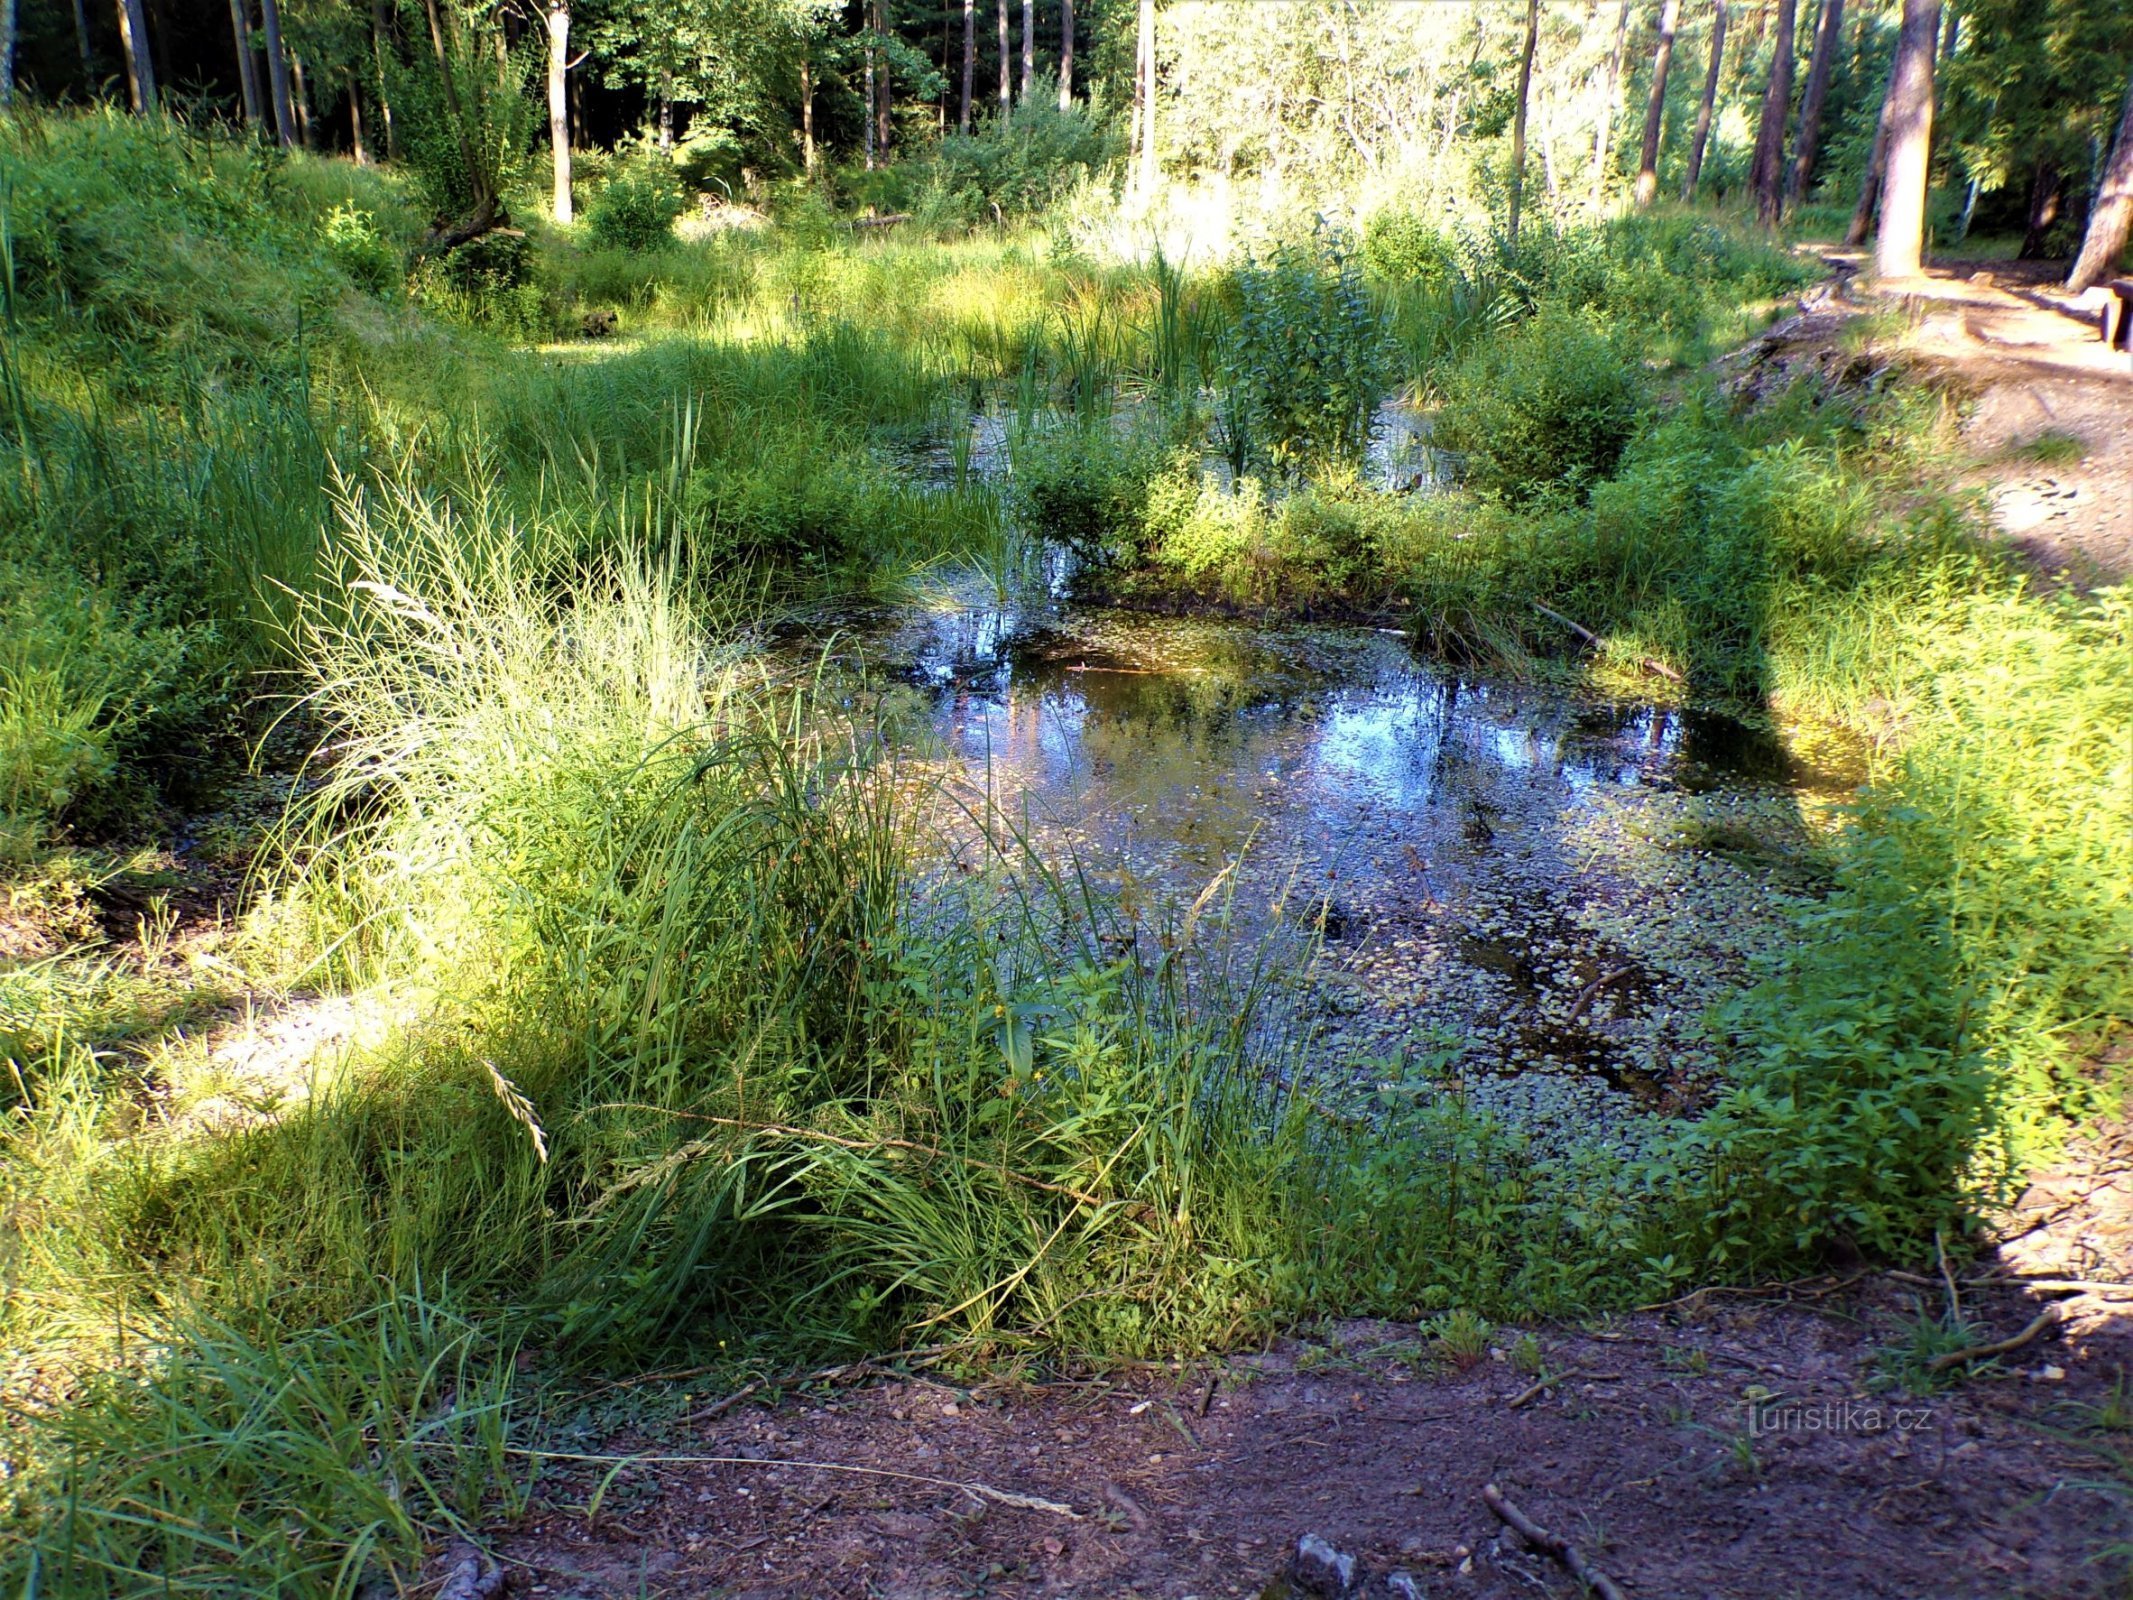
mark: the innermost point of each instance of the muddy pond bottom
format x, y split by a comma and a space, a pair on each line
1538, 894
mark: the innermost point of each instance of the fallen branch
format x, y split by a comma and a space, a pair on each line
1559, 1550
982, 1491
1591, 991
1649, 663
2046, 1318
1526, 1397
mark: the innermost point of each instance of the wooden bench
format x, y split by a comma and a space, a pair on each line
2118, 313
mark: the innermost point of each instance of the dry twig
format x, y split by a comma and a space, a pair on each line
2046, 1318
982, 1491
1557, 1549
1649, 663
1526, 1397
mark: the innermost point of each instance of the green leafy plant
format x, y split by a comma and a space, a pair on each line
1547, 407
637, 204
1307, 351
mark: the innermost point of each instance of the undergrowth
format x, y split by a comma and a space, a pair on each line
683, 1034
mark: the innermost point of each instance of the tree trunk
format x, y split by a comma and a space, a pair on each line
970, 60
1518, 121
559, 104
81, 43
1767, 175
380, 34
1655, 104
247, 72
1900, 244
884, 88
278, 73
1702, 138
1029, 45
1007, 61
1818, 73
666, 108
807, 109
1066, 54
140, 71
1145, 93
1877, 165
2112, 214
357, 146
302, 101
7, 54
1603, 135
2045, 188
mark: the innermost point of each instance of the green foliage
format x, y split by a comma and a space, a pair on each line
1086, 487
256, 1461
1015, 165
1307, 352
1547, 407
464, 123
1400, 247
81, 678
637, 204
352, 240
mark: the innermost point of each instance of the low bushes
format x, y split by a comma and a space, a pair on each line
1545, 407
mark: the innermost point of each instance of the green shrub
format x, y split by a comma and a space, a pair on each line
80, 677
1307, 352
352, 239
1018, 163
636, 207
1547, 407
1085, 487
1399, 247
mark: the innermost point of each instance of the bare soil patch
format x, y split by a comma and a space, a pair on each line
1848, 1482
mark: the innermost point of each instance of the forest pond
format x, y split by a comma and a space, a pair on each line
1543, 891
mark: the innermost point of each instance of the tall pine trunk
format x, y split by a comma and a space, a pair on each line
559, 105
1655, 105
2112, 214
884, 87
1767, 174
1007, 61
1518, 121
277, 73
2046, 186
81, 44
1029, 45
970, 60
302, 101
1818, 74
1144, 95
1066, 54
7, 54
380, 42
1603, 135
1701, 141
140, 70
247, 69
1899, 246
1877, 166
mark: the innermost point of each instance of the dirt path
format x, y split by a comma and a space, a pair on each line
2051, 425
1849, 1486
